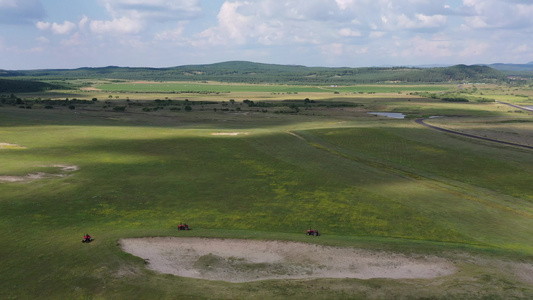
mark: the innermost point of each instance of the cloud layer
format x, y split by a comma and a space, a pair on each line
310, 32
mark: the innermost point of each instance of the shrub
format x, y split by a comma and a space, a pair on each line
119, 108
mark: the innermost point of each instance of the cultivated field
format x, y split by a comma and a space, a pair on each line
404, 211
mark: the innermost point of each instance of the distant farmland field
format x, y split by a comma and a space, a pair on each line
171, 87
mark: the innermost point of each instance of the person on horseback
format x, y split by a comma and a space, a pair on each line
86, 238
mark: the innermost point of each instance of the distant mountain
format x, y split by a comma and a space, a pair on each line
512, 67
251, 72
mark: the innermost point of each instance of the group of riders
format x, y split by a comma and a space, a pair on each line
312, 232
87, 238
183, 227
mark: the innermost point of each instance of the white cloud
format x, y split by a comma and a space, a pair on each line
74, 40
82, 24
236, 27
344, 4
497, 14
35, 50
431, 21
136, 16
434, 49
172, 35
376, 34
153, 10
474, 49
524, 48
334, 32
270, 22
335, 49
395, 22
347, 32
64, 28
42, 25
42, 40
116, 26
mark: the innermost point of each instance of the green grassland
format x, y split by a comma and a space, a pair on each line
364, 181
213, 87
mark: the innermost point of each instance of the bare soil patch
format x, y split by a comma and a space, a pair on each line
39, 175
145, 82
229, 133
234, 260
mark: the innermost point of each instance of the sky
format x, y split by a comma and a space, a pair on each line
45, 34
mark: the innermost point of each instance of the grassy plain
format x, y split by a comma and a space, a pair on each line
171, 87
364, 181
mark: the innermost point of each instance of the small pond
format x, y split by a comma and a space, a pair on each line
388, 114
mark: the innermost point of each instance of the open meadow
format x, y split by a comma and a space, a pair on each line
125, 160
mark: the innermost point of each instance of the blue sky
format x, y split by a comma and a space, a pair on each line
37, 34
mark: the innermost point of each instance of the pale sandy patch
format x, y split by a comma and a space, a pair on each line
90, 89
39, 175
10, 146
66, 168
28, 177
145, 82
229, 133
524, 271
234, 260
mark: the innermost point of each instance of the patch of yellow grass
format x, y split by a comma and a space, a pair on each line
10, 146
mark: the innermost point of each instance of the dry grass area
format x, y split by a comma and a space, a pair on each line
234, 260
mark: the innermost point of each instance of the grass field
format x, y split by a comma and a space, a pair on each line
365, 181
171, 87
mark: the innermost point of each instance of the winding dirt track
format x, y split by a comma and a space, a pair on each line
515, 106
421, 122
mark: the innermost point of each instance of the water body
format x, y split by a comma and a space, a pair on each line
389, 115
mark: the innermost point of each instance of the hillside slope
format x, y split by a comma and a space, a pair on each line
249, 72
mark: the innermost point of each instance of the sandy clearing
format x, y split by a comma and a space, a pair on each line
229, 133
234, 260
10, 146
28, 177
38, 175
146, 82
66, 168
